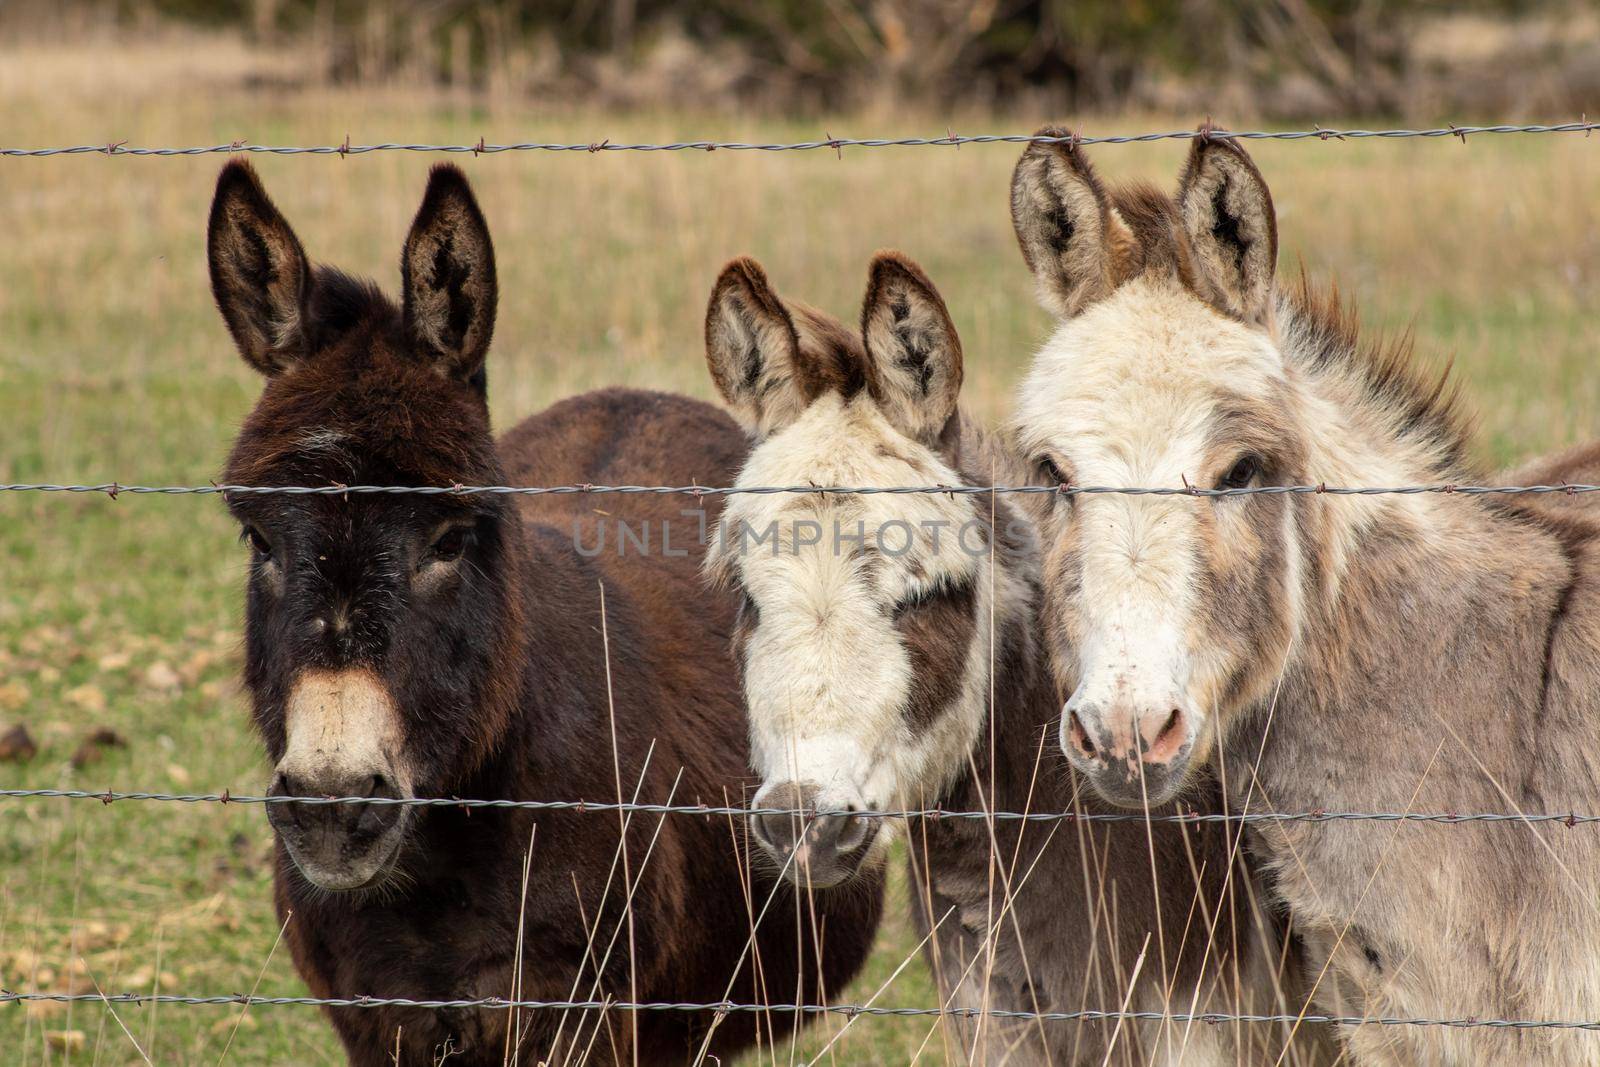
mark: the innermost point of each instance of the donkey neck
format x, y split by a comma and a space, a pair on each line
544, 695
1015, 756
1421, 666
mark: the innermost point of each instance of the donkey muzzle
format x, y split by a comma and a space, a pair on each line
1133, 756
343, 740
816, 851
338, 846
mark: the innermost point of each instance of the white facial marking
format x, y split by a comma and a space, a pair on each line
341, 725
827, 672
1123, 395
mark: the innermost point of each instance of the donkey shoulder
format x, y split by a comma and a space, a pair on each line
621, 436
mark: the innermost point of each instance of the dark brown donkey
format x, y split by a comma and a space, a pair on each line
476, 646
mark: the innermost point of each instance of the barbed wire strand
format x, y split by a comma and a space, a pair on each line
506, 1003
116, 489
835, 144
107, 796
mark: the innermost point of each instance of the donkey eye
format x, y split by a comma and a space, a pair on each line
1244, 471
451, 544
258, 544
1052, 473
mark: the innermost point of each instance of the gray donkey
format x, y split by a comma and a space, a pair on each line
1422, 653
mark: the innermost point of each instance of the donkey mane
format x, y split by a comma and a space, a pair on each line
1157, 230
351, 400
1323, 333
1423, 406
832, 352
341, 302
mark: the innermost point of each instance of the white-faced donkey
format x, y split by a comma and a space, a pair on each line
888, 650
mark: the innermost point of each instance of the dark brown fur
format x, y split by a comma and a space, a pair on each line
535, 693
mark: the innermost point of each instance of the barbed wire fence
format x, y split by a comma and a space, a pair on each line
583, 807
113, 490
836, 144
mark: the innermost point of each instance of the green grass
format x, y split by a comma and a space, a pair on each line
114, 365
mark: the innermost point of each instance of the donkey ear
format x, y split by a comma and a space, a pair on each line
753, 349
1228, 216
259, 273
447, 272
912, 349
1071, 238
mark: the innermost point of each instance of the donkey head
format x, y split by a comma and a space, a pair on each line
371, 620
857, 638
1165, 614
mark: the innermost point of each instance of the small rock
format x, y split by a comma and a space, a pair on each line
160, 675
13, 695
226, 1024
98, 934
16, 745
196, 666
88, 697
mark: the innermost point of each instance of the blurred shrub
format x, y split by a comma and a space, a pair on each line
1277, 56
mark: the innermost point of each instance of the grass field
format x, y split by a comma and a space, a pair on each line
114, 365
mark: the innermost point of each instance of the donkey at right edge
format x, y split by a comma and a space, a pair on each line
1428, 653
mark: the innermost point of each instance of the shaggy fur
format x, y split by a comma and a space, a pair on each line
918, 680
1391, 653
519, 668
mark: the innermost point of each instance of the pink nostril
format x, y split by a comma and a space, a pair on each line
1170, 740
1080, 738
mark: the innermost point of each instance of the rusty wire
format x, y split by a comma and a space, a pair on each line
116, 489
849, 1010
107, 796
830, 143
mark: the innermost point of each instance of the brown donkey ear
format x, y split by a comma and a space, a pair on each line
259, 273
753, 350
1071, 237
1227, 213
448, 276
913, 351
